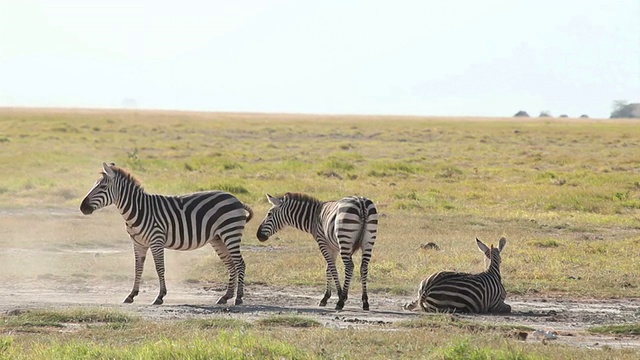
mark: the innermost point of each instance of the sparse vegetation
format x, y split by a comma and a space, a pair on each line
566, 195
626, 329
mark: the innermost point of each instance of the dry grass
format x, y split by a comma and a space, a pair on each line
565, 193
570, 183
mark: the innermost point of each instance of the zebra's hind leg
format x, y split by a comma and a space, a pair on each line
140, 255
240, 267
331, 274
157, 250
364, 272
501, 308
348, 273
411, 305
327, 292
225, 256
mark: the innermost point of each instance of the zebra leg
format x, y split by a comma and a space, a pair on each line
364, 273
411, 305
225, 256
369, 235
240, 268
501, 308
157, 250
327, 293
140, 254
348, 273
331, 273
233, 246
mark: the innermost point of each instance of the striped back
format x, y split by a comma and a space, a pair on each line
448, 291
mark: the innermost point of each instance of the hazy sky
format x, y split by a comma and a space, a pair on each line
488, 58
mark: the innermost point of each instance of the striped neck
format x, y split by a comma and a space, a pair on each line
494, 266
302, 212
128, 196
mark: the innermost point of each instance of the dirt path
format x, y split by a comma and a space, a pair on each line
569, 319
23, 258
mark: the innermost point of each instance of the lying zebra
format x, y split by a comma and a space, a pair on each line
448, 291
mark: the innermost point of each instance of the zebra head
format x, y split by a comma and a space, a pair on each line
101, 194
275, 219
492, 254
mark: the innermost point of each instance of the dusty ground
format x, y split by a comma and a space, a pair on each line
568, 318
34, 249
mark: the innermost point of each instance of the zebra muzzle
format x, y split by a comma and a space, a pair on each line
86, 209
262, 236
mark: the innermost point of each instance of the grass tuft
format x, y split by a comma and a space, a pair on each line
288, 321
625, 329
45, 318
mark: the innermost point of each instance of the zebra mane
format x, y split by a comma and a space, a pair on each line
127, 175
301, 197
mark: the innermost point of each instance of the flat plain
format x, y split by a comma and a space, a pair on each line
564, 192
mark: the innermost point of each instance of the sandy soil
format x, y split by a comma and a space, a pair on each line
568, 318
24, 260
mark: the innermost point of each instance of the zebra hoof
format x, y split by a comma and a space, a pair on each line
222, 301
238, 301
127, 300
340, 305
365, 307
158, 302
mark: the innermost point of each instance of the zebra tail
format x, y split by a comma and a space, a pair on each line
364, 216
249, 212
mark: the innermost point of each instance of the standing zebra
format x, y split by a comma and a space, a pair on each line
185, 222
448, 291
342, 226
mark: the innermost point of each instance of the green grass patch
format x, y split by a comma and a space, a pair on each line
463, 349
626, 329
288, 321
224, 345
45, 318
446, 321
548, 243
217, 323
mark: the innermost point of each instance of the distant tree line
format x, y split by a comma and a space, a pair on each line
621, 109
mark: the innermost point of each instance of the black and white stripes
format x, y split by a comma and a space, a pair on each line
185, 222
340, 227
448, 291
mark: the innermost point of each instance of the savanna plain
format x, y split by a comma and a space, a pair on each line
564, 192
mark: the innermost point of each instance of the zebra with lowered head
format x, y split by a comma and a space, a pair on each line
448, 291
184, 222
340, 227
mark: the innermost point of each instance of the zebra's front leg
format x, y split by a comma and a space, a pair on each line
140, 254
157, 250
348, 273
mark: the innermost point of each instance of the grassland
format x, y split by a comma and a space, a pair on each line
99, 334
564, 192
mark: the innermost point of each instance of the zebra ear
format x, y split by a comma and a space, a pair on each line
273, 200
106, 168
502, 243
484, 248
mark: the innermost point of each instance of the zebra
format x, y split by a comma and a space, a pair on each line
184, 222
448, 291
342, 226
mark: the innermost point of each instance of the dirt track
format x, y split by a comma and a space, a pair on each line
29, 270
569, 319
